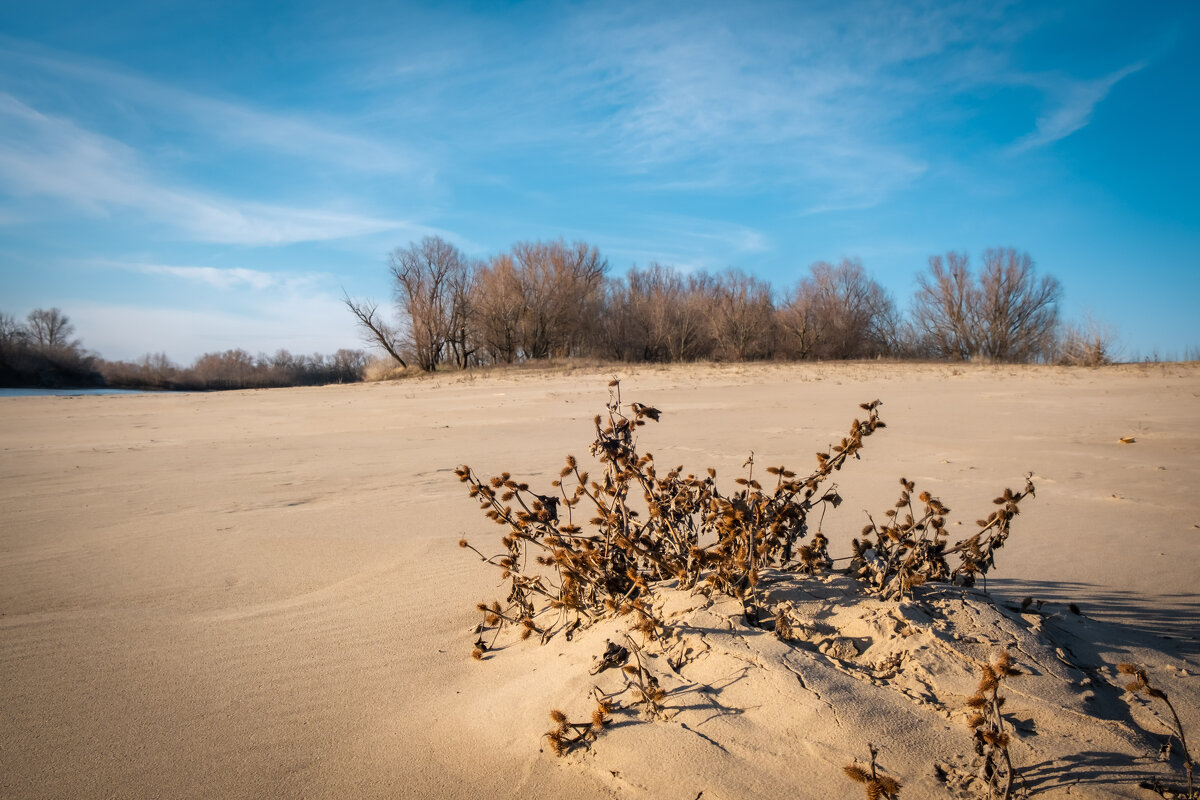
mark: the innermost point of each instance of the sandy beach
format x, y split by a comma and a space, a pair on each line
261, 594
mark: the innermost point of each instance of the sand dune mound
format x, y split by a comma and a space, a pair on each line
763, 667
749, 710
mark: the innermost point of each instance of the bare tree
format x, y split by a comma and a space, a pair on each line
232, 369
742, 316
426, 274
562, 289
499, 309
839, 312
688, 322
1008, 314
675, 311
158, 367
49, 329
1019, 312
645, 314
348, 365
461, 336
12, 334
943, 309
375, 330
658, 314
623, 329
798, 329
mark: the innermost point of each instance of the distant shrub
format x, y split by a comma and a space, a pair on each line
1088, 344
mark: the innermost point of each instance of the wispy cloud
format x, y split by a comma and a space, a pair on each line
730, 236
771, 96
830, 104
45, 155
1071, 105
237, 125
218, 277
690, 244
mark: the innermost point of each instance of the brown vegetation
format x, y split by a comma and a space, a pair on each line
992, 739
1004, 314
877, 785
236, 369
606, 546
546, 300
41, 352
1141, 683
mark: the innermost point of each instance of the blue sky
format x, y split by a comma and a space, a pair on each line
189, 177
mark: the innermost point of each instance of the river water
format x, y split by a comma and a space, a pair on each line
63, 392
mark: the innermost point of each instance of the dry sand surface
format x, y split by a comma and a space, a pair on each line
258, 594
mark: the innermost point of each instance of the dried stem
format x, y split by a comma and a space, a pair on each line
1141, 683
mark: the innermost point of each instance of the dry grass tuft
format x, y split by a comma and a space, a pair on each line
385, 369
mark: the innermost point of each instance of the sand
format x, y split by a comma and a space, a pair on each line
260, 593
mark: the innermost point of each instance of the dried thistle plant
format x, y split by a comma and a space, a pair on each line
644, 527
783, 626
978, 552
877, 785
992, 740
1141, 683
642, 685
597, 547
907, 550
911, 547
566, 736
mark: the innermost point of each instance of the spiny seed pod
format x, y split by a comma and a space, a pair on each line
1004, 666
857, 773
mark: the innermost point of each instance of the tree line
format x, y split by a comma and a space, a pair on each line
543, 300
42, 351
553, 300
236, 369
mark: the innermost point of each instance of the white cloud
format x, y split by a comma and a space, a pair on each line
217, 277
44, 155
732, 237
1072, 103
791, 97
831, 103
236, 124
